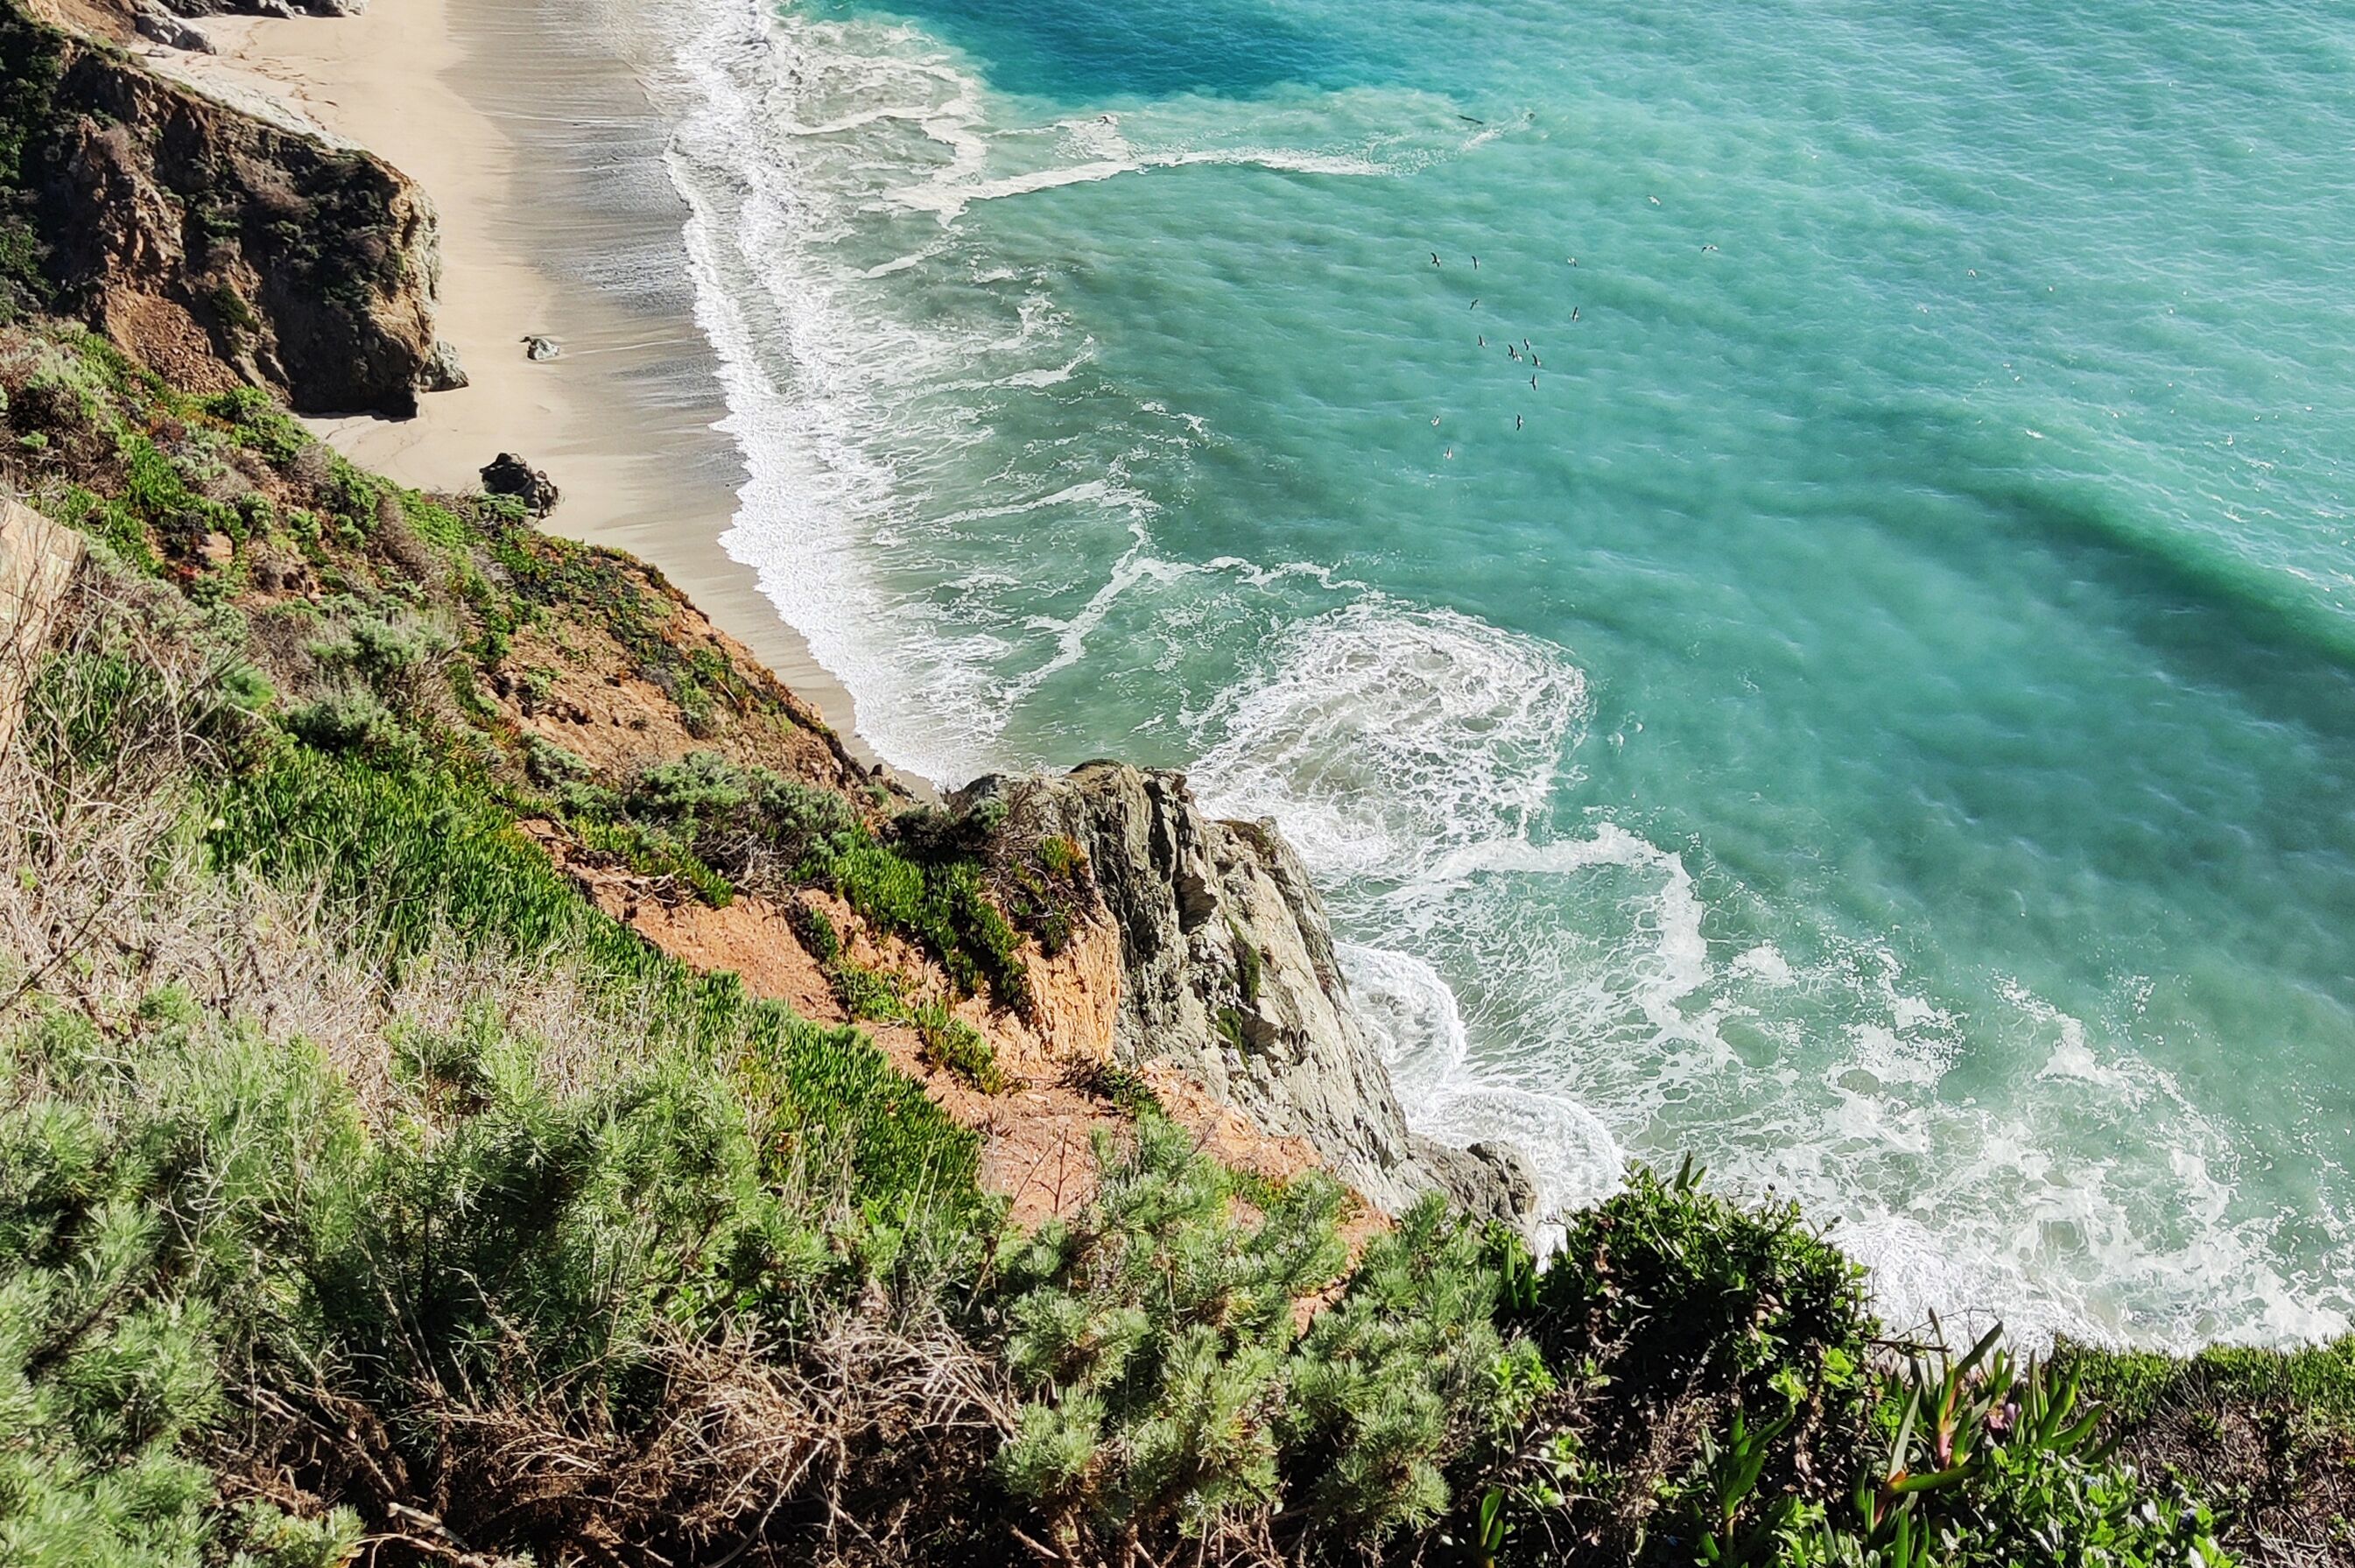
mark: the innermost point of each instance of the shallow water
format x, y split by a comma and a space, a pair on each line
1877, 715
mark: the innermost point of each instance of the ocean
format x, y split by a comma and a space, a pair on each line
1786, 565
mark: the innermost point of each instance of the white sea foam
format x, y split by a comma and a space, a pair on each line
1414, 1023
1412, 754
1384, 736
1098, 149
795, 136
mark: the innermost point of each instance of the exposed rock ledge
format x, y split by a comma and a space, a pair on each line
1229, 974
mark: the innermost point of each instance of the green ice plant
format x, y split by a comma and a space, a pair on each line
1993, 1460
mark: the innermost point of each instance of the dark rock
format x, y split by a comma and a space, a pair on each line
1488, 1180
507, 474
535, 348
172, 221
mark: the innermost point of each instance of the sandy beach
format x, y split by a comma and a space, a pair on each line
557, 217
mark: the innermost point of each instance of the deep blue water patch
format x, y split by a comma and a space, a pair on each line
1107, 50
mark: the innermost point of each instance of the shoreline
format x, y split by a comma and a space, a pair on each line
543, 157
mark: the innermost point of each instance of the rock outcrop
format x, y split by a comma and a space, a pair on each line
507, 474
38, 562
1229, 974
442, 372
283, 8
197, 236
157, 24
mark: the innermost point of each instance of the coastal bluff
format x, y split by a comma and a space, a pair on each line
217, 246
223, 244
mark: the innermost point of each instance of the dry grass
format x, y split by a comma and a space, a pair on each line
108, 896
837, 1453
837, 1447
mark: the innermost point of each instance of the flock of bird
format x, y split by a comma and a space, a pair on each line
1518, 352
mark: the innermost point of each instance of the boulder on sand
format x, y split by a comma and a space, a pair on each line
507, 474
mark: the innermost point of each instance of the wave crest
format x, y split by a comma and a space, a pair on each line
1386, 738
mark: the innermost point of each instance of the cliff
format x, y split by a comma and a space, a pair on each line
216, 247
1228, 975
430, 953
210, 244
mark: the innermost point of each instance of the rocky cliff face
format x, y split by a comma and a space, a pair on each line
198, 237
1229, 973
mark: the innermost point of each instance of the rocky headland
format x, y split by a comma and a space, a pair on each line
492, 1070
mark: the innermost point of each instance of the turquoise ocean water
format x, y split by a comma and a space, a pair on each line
1877, 714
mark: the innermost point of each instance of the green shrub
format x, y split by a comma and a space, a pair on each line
423, 858
1691, 1296
868, 993
953, 1045
115, 1303
1406, 1376
550, 766
1991, 1463
1123, 1087
816, 932
1150, 1336
386, 644
764, 829
348, 722
1060, 856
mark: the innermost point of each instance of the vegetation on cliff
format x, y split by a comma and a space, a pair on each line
365, 1187
209, 239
